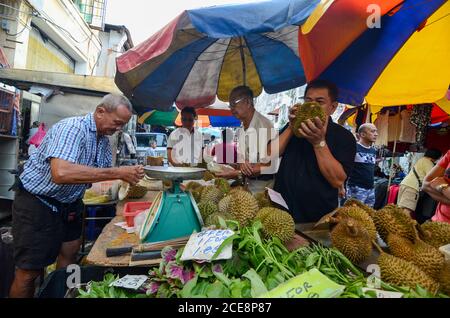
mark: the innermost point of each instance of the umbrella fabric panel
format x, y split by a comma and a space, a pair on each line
331, 28
158, 89
279, 66
159, 118
419, 72
364, 61
257, 17
224, 121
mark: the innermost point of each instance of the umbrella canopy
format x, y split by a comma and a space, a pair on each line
406, 60
156, 117
214, 117
204, 53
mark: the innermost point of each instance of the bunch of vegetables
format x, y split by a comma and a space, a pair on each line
258, 265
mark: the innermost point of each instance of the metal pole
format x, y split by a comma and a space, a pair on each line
244, 67
393, 152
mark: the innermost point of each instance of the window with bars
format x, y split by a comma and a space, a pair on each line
93, 12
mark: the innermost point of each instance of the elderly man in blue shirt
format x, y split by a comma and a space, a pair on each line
48, 204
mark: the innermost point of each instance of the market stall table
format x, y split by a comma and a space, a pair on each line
114, 236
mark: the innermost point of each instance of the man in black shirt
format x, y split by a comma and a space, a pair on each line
315, 167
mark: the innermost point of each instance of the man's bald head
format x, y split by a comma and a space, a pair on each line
366, 127
368, 133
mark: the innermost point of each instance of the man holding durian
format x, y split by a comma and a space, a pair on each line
317, 155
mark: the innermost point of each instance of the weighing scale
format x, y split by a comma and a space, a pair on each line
173, 213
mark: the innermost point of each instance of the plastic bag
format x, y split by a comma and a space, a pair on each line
37, 138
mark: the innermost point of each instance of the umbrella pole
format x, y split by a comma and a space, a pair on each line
393, 154
244, 68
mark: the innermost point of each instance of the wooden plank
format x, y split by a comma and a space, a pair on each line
111, 236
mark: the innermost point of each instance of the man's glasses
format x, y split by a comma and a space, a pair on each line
189, 120
233, 104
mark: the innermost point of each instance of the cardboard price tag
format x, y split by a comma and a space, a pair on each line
203, 245
312, 284
383, 293
130, 282
277, 198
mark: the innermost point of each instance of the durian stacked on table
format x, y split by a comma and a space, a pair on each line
237, 204
414, 257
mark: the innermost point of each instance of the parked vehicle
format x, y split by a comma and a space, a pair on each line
143, 144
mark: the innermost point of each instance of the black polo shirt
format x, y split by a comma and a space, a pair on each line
299, 180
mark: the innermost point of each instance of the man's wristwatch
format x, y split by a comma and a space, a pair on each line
442, 187
320, 144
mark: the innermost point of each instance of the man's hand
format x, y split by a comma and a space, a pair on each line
314, 130
292, 112
436, 183
229, 174
131, 174
250, 170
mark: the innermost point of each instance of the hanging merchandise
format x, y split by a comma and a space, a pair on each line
394, 124
408, 130
382, 124
421, 118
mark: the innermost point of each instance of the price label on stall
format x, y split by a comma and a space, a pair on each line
383, 293
203, 245
312, 284
130, 282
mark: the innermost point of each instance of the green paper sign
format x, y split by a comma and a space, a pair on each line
312, 284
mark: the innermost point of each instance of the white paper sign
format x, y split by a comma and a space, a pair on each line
383, 293
203, 245
277, 198
130, 281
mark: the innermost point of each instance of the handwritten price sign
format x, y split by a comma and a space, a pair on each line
312, 284
203, 245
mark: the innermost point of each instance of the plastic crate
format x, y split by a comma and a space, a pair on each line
95, 226
131, 209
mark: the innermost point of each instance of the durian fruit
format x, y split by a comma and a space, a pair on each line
213, 219
207, 176
192, 186
211, 193
223, 185
359, 204
399, 272
243, 207
263, 213
391, 219
197, 194
136, 192
236, 189
436, 234
278, 223
428, 258
352, 239
444, 278
207, 208
224, 204
423, 255
400, 246
308, 110
263, 200
357, 213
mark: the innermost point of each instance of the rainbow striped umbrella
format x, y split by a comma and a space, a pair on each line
403, 60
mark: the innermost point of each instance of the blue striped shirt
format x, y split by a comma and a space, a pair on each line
75, 140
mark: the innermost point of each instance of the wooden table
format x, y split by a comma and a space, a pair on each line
114, 236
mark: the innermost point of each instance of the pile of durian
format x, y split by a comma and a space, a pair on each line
235, 203
413, 258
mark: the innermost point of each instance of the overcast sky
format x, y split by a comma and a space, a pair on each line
145, 17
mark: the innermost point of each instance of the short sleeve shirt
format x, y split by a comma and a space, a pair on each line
306, 191
74, 140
